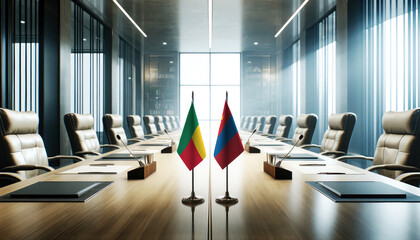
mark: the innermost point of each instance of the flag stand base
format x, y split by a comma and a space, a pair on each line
193, 200
227, 200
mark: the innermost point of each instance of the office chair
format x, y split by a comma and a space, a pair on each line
177, 122
173, 123
337, 138
22, 152
247, 122
398, 148
285, 123
113, 126
252, 124
167, 123
270, 123
306, 124
83, 139
135, 128
260, 124
242, 122
160, 126
149, 125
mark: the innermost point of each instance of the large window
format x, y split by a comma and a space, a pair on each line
23, 55
325, 70
129, 71
87, 66
392, 59
210, 76
291, 82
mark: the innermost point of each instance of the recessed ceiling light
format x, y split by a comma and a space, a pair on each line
291, 18
22, 22
129, 18
249, 62
164, 43
255, 43
84, 39
171, 62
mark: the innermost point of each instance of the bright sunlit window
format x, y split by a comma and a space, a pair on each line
210, 76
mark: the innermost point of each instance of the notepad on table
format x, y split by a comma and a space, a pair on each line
367, 189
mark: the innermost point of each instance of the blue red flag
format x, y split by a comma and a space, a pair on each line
228, 144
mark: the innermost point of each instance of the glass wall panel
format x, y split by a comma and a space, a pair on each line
87, 66
392, 60
23, 55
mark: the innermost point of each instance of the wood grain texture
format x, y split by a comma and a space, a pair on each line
152, 208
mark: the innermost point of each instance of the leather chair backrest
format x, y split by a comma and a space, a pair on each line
337, 137
20, 142
247, 122
177, 122
306, 124
253, 123
260, 123
270, 123
167, 123
285, 123
81, 134
159, 123
173, 122
399, 144
134, 126
149, 124
242, 122
113, 126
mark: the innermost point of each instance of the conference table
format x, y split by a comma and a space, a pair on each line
152, 209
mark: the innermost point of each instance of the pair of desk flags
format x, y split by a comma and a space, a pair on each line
228, 145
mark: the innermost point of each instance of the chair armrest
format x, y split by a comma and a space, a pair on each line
83, 153
394, 167
336, 153
343, 158
110, 146
407, 177
59, 157
17, 168
10, 177
310, 145
284, 139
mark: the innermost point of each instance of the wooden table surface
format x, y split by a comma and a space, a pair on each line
152, 208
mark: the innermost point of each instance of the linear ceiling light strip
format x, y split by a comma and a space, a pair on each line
129, 18
291, 18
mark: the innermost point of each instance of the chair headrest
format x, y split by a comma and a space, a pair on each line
305, 120
339, 121
285, 120
135, 119
260, 119
159, 119
148, 119
15, 122
114, 120
271, 119
82, 121
167, 118
405, 122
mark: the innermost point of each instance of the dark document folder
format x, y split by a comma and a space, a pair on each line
54, 190
358, 189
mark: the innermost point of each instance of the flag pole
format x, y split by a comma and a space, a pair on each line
227, 199
193, 199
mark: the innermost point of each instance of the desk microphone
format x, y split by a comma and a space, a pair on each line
251, 136
134, 156
287, 155
166, 131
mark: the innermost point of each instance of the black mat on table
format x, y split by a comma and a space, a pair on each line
51, 191
362, 191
